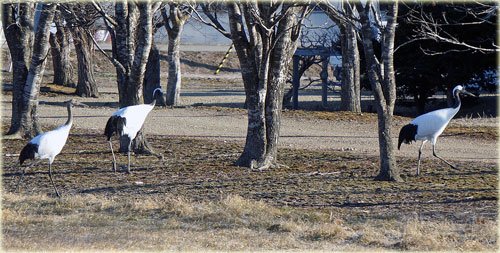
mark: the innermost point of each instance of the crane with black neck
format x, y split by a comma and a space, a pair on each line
429, 126
47, 146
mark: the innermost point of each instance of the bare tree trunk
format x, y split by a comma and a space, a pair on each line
84, 47
255, 143
152, 75
124, 48
174, 24
174, 70
19, 39
29, 119
264, 59
281, 57
60, 51
382, 80
80, 18
350, 99
132, 45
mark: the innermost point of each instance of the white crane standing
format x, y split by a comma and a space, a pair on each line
428, 127
127, 121
47, 146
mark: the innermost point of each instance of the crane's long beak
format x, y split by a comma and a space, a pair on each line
468, 93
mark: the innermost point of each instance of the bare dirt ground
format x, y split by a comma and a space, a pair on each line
215, 121
331, 159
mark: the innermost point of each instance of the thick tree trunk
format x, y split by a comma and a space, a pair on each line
174, 68
134, 35
174, 24
29, 118
281, 57
382, 80
152, 76
350, 99
60, 51
255, 143
388, 169
19, 40
86, 86
264, 60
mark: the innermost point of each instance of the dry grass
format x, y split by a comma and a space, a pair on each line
168, 222
198, 200
481, 132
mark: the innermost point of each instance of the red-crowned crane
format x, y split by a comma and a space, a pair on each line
127, 121
428, 127
47, 146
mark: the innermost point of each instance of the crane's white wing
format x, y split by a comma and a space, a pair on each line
135, 116
432, 124
52, 142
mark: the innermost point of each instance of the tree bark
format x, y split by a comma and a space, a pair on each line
19, 40
350, 99
174, 24
281, 57
152, 76
350, 95
84, 47
80, 18
131, 47
29, 118
60, 51
174, 70
264, 59
382, 80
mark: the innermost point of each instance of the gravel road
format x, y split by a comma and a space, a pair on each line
230, 125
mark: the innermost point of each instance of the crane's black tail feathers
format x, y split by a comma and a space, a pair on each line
407, 134
28, 152
114, 124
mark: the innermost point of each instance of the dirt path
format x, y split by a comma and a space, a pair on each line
230, 125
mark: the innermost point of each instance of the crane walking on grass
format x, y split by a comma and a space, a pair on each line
47, 146
127, 121
429, 126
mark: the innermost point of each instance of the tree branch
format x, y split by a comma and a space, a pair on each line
105, 16
111, 59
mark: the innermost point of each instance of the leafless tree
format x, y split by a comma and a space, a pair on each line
376, 30
381, 76
60, 51
174, 17
37, 65
27, 116
80, 18
342, 14
265, 37
439, 27
17, 21
131, 30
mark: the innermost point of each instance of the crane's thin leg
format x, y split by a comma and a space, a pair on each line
20, 179
434, 153
419, 155
52, 181
113, 153
128, 154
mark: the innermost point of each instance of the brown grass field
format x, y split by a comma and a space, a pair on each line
197, 200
